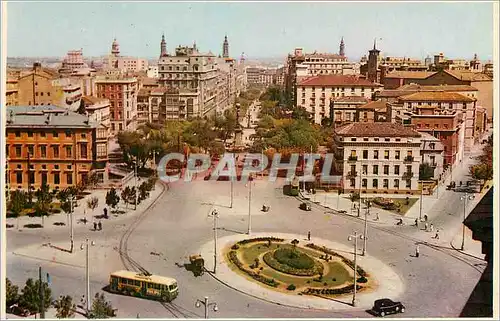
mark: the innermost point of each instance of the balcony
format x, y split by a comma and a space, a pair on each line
408, 159
352, 174
352, 158
407, 175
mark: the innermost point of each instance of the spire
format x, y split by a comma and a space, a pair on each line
225, 48
342, 47
163, 46
375, 44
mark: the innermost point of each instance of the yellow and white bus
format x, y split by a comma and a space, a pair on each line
144, 286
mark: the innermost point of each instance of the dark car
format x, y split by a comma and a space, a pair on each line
383, 307
305, 206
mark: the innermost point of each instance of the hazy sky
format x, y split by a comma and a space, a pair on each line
258, 29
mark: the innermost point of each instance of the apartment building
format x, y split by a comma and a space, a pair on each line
52, 145
432, 151
122, 95
12, 92
315, 93
261, 76
132, 64
381, 158
345, 108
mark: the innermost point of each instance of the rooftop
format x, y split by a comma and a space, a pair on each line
469, 75
375, 105
338, 80
436, 96
377, 129
410, 74
93, 100
152, 278
417, 87
351, 99
45, 117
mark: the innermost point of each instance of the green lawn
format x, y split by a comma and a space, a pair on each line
402, 207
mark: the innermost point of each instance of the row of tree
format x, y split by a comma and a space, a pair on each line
129, 195
30, 300
484, 170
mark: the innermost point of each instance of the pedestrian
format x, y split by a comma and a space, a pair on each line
377, 218
426, 218
426, 226
437, 235
416, 222
417, 251
309, 235
95, 226
432, 227
99, 225
105, 213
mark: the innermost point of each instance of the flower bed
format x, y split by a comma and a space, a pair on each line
344, 290
348, 262
270, 260
260, 239
233, 257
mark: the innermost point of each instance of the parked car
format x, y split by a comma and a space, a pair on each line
305, 206
383, 307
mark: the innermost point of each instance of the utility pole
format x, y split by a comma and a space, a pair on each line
206, 305
464, 198
366, 228
71, 223
355, 237
87, 274
29, 179
421, 200
135, 182
42, 305
232, 186
359, 200
215, 214
250, 204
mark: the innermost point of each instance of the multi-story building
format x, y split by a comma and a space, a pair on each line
402, 63
432, 152
392, 95
35, 87
380, 157
73, 62
260, 76
122, 95
314, 93
446, 103
345, 108
152, 72
374, 111
48, 144
12, 92
132, 64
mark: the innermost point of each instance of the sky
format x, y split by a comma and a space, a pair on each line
258, 29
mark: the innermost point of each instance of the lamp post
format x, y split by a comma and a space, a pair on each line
135, 183
421, 199
232, 186
360, 180
71, 223
365, 232
215, 215
354, 237
207, 305
464, 198
250, 180
29, 179
87, 274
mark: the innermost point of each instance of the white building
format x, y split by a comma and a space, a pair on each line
380, 158
315, 93
132, 64
152, 72
432, 152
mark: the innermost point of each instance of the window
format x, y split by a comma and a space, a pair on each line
464, 106
83, 150
44, 178
68, 151
375, 169
375, 154
42, 134
432, 145
41, 94
386, 169
397, 154
55, 134
375, 183
69, 178
375, 139
44, 166
387, 139
364, 183
365, 139
43, 151
396, 169
56, 178
353, 153
408, 183
19, 177
18, 151
31, 150
386, 154
396, 183
365, 154
352, 182
18, 133
32, 176
83, 135
68, 133
365, 169
55, 150
386, 183
30, 134
408, 169
409, 153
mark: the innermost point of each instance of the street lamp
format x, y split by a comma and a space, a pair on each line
135, 182
464, 198
250, 180
87, 273
207, 305
354, 237
365, 233
215, 215
421, 199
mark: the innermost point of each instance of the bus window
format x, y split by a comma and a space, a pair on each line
172, 287
137, 283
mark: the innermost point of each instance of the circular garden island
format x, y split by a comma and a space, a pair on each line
286, 266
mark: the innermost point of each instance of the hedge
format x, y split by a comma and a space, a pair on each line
346, 289
272, 262
234, 258
260, 239
348, 262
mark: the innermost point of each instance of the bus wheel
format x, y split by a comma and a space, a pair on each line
164, 298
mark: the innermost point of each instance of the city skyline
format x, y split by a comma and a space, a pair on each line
138, 28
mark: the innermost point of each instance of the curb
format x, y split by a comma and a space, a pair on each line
465, 253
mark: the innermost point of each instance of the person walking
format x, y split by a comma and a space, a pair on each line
417, 251
309, 235
99, 225
95, 226
105, 213
432, 227
426, 226
416, 222
437, 235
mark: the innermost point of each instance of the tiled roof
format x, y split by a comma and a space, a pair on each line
351, 99
338, 80
149, 81
46, 116
375, 105
377, 129
416, 87
388, 93
436, 96
469, 75
92, 100
410, 74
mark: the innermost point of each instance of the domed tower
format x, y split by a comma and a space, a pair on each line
115, 48
163, 46
225, 48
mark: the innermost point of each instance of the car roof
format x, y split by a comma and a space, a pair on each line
385, 300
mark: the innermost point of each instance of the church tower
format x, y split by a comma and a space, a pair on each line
373, 62
342, 48
163, 46
225, 48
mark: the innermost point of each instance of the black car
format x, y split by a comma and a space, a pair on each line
383, 307
305, 206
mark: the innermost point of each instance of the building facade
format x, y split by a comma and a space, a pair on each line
380, 158
48, 144
315, 93
432, 152
12, 92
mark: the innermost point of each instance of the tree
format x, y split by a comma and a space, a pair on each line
225, 125
81, 109
30, 296
426, 171
128, 195
101, 309
294, 243
65, 307
92, 180
481, 171
112, 198
143, 191
354, 197
11, 294
43, 201
92, 203
17, 203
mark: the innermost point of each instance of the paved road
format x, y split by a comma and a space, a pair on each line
178, 225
